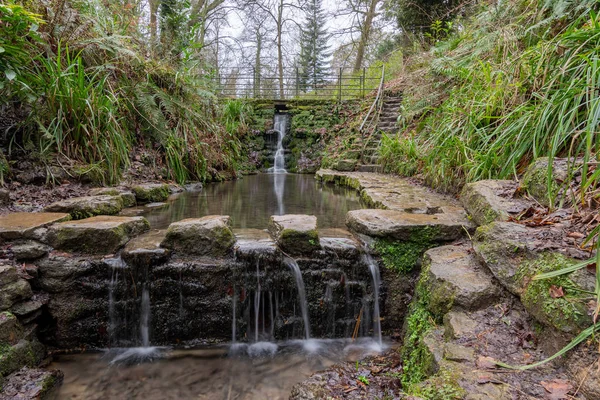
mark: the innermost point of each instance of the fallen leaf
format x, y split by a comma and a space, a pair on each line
557, 388
482, 379
556, 292
576, 235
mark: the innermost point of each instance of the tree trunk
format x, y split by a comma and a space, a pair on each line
257, 69
365, 32
153, 25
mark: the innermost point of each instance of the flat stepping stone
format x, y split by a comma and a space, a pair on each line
455, 278
295, 234
339, 241
391, 192
22, 225
492, 200
407, 226
151, 192
88, 206
145, 249
127, 195
96, 235
253, 243
206, 236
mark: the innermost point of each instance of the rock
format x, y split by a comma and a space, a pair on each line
151, 192
340, 242
23, 225
11, 330
96, 235
492, 200
456, 352
515, 253
406, 226
25, 353
582, 367
393, 193
146, 250
295, 234
31, 384
14, 292
193, 187
29, 250
458, 324
208, 236
175, 188
88, 206
4, 197
346, 165
157, 205
8, 275
535, 180
126, 195
27, 311
254, 244
455, 278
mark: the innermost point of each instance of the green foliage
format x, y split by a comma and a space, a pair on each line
18, 29
515, 84
363, 379
402, 256
313, 47
80, 116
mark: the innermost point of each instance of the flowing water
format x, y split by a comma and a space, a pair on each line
251, 201
280, 125
374, 269
206, 373
301, 294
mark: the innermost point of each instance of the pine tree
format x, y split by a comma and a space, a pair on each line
314, 50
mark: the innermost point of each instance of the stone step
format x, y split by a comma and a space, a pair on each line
369, 168
96, 235
145, 249
21, 224
88, 206
295, 234
457, 279
206, 236
402, 225
492, 200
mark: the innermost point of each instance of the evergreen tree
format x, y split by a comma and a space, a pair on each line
314, 50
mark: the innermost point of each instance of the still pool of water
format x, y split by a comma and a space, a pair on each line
251, 201
245, 372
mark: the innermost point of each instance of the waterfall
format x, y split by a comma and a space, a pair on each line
301, 294
233, 327
280, 125
145, 317
374, 269
257, 301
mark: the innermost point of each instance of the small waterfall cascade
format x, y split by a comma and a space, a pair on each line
280, 121
375, 275
145, 317
301, 294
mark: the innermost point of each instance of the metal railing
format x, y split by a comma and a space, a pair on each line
338, 86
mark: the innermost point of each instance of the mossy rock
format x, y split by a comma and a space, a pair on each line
548, 189
151, 192
295, 234
11, 330
96, 235
24, 353
206, 236
487, 201
13, 293
88, 206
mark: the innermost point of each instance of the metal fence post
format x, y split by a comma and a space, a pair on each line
364, 80
254, 81
297, 82
340, 85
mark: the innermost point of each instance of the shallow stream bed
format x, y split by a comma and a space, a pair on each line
250, 372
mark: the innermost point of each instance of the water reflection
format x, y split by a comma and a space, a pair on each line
252, 200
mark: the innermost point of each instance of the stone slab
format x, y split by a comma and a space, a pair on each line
151, 192
457, 279
255, 243
206, 236
492, 200
401, 225
295, 234
22, 225
392, 192
30, 384
145, 249
88, 206
127, 195
96, 235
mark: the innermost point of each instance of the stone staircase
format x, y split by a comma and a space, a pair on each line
386, 123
